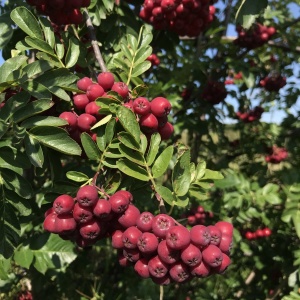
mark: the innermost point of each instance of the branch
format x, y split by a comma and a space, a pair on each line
94, 42
247, 282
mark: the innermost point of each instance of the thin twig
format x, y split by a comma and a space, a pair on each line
161, 294
94, 42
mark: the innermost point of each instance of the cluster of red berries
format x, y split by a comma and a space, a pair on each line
184, 17
153, 58
152, 116
61, 12
273, 83
24, 295
277, 154
255, 37
232, 80
159, 248
265, 232
214, 92
250, 116
198, 215
165, 252
87, 218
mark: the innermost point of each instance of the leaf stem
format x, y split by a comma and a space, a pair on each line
94, 42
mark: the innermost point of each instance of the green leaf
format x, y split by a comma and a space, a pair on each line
55, 138
209, 174
22, 205
144, 144
270, 188
23, 257
181, 176
200, 170
162, 162
165, 193
100, 139
103, 121
54, 61
141, 68
35, 68
132, 42
6, 31
128, 120
9, 228
90, 147
121, 64
110, 130
147, 36
48, 31
133, 170
43, 121
34, 151
36, 89
273, 199
296, 221
3, 128
31, 109
11, 158
11, 65
112, 183
15, 182
142, 54
39, 45
181, 201
72, 53
27, 22
126, 51
154, 148
132, 155
127, 139
77, 176
248, 11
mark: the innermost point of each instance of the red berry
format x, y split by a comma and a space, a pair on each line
82, 214
87, 196
161, 224
178, 237
84, 83
80, 101
121, 88
157, 268
147, 243
119, 203
179, 272
212, 255
94, 91
166, 254
131, 237
166, 131
85, 122
200, 235
148, 123
90, 230
191, 255
144, 222
141, 106
63, 204
65, 224
129, 217
141, 267
102, 209
160, 106
70, 117
106, 80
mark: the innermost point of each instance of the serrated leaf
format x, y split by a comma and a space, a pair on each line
55, 138
128, 120
141, 68
22, 205
11, 158
100, 139
34, 151
113, 153
181, 175
110, 130
210, 174
90, 147
15, 182
23, 257
77, 176
165, 193
153, 148
121, 64
126, 51
132, 155
32, 109
127, 139
72, 53
54, 61
162, 162
27, 22
43, 121
39, 45
112, 183
133, 170
132, 41
11, 65
142, 55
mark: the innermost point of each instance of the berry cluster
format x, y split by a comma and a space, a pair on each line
152, 116
198, 215
265, 232
273, 83
184, 17
166, 252
277, 154
24, 295
153, 58
61, 12
214, 92
255, 37
250, 116
158, 248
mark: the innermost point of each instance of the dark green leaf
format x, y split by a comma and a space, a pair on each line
22, 205
142, 54
132, 155
34, 151
39, 45
44, 121
27, 22
72, 53
36, 89
55, 138
90, 147
77, 176
36, 68
181, 176
11, 65
112, 183
154, 148
132, 169
15, 182
162, 162
54, 61
32, 109
6, 32
48, 31
126, 139
128, 120
110, 130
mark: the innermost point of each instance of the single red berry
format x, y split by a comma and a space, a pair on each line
212, 255
148, 123
178, 237
200, 235
106, 80
147, 243
102, 209
157, 268
94, 91
191, 255
166, 254
80, 101
141, 106
121, 88
160, 106
84, 83
131, 237
87, 196
65, 224
63, 204
85, 122
82, 214
119, 202
141, 267
166, 131
70, 117
144, 221
129, 217
179, 272
90, 230
161, 224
